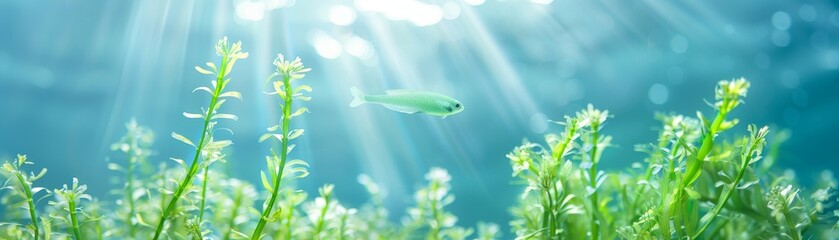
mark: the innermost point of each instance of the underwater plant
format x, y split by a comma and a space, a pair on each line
288, 71
689, 173
68, 203
430, 210
20, 183
206, 144
697, 181
135, 144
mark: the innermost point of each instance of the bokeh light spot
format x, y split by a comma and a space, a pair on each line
781, 20
679, 44
807, 13
658, 94
342, 15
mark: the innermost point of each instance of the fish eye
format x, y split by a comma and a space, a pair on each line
457, 105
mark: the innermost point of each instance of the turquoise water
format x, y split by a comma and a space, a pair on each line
73, 72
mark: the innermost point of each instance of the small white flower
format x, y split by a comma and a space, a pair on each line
438, 175
293, 69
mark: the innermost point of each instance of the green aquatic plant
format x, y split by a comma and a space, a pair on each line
21, 185
750, 154
691, 170
591, 121
68, 203
229, 55
430, 213
288, 72
232, 199
135, 144
373, 214
546, 172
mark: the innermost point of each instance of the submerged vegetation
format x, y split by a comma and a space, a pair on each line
697, 182
694, 184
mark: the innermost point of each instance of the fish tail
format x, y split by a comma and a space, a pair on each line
358, 97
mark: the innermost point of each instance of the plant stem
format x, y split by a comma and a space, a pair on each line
193, 168
322, 217
662, 142
435, 230
550, 219
236, 202
98, 227
203, 195
547, 205
745, 164
130, 187
792, 232
694, 167
30, 202
595, 227
283, 155
71, 205
343, 225
288, 223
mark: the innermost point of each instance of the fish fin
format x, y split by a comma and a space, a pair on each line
399, 91
444, 116
408, 110
358, 97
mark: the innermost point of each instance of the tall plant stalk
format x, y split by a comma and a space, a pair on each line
751, 152
288, 71
24, 188
728, 95
594, 119
229, 54
204, 181
69, 199
134, 144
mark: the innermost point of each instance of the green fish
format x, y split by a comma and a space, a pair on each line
410, 101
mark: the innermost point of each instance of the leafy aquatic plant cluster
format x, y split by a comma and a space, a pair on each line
695, 182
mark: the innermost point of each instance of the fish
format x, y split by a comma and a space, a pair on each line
410, 102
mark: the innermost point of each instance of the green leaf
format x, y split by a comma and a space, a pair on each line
297, 162
301, 97
299, 112
140, 220
115, 167
303, 88
206, 89
182, 139
231, 94
218, 144
265, 182
295, 133
180, 162
269, 135
193, 115
39, 175
728, 124
692, 194
264, 137
203, 71
212, 66
225, 116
